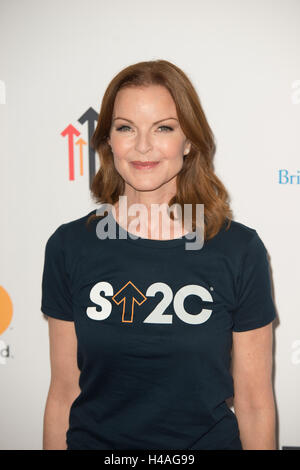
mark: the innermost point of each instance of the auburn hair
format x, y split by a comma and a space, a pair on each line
196, 182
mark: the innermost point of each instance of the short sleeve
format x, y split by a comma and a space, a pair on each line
56, 296
255, 307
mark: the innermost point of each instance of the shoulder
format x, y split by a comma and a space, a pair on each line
235, 233
70, 232
235, 240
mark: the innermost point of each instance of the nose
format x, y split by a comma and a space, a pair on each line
143, 142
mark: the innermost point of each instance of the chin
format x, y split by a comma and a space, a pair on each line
145, 185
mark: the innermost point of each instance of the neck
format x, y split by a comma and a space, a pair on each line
149, 220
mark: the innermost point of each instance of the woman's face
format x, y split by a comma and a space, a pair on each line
145, 128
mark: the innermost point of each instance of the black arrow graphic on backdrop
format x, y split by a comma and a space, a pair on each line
91, 116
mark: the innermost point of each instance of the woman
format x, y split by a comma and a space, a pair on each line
149, 339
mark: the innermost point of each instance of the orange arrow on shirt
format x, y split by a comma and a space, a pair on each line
133, 294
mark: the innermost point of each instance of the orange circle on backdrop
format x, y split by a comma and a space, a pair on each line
6, 310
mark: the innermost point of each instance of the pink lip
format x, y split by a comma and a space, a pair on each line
144, 165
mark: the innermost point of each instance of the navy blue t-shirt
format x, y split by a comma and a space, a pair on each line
154, 326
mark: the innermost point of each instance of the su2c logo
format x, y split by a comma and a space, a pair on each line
130, 295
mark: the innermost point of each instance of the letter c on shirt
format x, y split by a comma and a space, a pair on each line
181, 294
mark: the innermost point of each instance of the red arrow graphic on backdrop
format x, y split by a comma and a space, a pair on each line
129, 294
70, 131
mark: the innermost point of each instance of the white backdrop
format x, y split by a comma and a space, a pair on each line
56, 60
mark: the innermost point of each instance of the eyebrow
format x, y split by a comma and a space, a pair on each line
161, 120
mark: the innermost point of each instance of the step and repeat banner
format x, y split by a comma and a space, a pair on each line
56, 60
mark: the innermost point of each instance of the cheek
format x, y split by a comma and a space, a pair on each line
169, 148
172, 148
119, 161
120, 147
121, 155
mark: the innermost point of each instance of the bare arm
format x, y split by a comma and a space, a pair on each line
253, 392
64, 386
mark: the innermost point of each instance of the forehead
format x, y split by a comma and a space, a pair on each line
151, 101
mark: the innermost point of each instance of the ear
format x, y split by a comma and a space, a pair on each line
187, 148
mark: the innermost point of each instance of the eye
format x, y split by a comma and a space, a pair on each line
166, 127
121, 128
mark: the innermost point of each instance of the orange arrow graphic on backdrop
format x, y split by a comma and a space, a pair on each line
81, 143
129, 294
